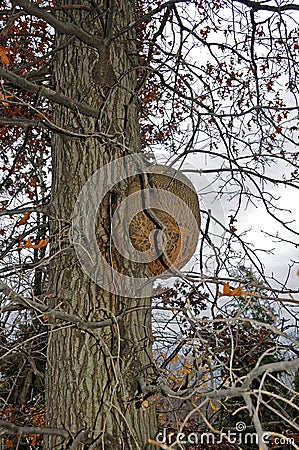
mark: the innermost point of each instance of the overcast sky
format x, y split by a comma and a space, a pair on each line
254, 220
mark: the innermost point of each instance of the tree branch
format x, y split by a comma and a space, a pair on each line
24, 123
10, 428
280, 366
45, 92
143, 19
257, 6
40, 307
8, 212
61, 27
60, 315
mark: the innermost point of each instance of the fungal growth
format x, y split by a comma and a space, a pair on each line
164, 219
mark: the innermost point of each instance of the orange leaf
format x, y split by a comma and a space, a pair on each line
8, 443
214, 407
4, 97
24, 219
244, 293
42, 243
27, 245
226, 289
238, 292
34, 438
4, 58
187, 369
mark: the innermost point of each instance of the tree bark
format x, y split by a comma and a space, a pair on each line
91, 380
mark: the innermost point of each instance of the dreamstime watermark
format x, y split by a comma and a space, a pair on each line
85, 215
238, 436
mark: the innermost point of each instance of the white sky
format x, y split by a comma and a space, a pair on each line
254, 221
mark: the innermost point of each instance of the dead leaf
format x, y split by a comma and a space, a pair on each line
236, 292
24, 219
214, 408
4, 97
28, 244
3, 56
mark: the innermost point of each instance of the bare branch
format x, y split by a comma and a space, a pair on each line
59, 315
24, 123
145, 17
48, 93
280, 366
8, 212
61, 27
260, 6
10, 428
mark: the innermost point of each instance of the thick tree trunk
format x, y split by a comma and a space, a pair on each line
91, 382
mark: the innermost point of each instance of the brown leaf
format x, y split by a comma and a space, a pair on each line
236, 292
24, 219
4, 58
8, 443
4, 97
42, 243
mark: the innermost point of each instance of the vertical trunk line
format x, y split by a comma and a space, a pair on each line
91, 375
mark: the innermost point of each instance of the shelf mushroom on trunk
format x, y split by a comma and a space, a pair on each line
166, 228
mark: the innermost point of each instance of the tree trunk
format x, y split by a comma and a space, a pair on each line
91, 384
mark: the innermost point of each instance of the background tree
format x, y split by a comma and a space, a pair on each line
215, 82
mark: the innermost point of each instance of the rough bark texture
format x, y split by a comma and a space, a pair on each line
91, 375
